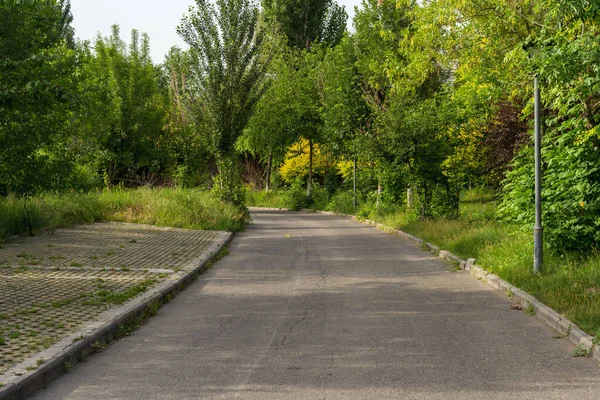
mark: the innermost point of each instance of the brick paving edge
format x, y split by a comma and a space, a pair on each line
556, 321
71, 350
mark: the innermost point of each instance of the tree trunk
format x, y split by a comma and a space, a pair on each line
110, 174
310, 168
28, 217
269, 162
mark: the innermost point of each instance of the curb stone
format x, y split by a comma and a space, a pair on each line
563, 326
62, 356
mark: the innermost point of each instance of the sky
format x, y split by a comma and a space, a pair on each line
157, 18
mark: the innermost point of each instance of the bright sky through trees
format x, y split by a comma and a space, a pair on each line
157, 18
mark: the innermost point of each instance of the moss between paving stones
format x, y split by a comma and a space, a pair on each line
35, 317
52, 284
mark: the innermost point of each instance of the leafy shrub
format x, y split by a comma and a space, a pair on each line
319, 197
296, 198
570, 193
260, 198
228, 185
342, 202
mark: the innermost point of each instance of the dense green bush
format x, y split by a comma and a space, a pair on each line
570, 193
341, 202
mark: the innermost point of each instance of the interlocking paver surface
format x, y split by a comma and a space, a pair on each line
52, 284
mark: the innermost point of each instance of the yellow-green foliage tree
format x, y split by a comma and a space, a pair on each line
296, 165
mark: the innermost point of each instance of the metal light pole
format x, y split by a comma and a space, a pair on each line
538, 243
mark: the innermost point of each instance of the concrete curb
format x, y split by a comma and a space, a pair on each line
62, 356
563, 326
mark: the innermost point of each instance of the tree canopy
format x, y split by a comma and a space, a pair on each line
430, 96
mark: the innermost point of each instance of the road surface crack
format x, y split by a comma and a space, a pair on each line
294, 325
223, 325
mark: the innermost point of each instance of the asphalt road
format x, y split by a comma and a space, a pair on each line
311, 306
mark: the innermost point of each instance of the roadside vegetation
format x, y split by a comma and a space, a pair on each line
429, 97
180, 208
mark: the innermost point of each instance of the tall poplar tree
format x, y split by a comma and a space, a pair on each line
228, 72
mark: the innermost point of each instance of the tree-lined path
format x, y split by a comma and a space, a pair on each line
311, 306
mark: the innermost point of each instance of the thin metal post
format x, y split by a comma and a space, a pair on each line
354, 198
538, 244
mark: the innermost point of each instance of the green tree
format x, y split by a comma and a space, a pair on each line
125, 109
229, 74
38, 67
186, 125
345, 111
305, 22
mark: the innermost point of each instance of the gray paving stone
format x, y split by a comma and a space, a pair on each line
52, 284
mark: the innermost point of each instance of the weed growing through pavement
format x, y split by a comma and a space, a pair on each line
581, 351
530, 310
105, 296
78, 338
97, 346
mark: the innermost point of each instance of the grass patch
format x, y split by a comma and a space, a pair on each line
270, 199
179, 208
105, 296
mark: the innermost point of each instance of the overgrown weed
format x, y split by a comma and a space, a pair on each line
180, 208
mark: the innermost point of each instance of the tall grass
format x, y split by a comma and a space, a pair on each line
270, 199
182, 208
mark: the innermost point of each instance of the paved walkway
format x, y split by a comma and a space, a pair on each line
311, 306
52, 285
